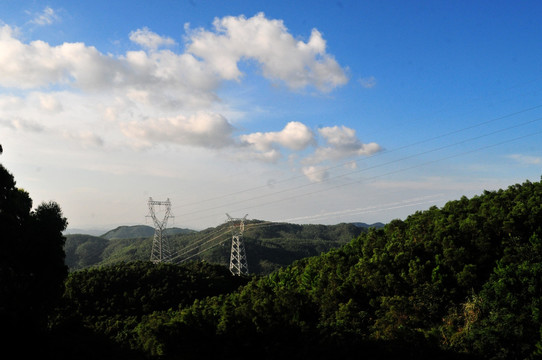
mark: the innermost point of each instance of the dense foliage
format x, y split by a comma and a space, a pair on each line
84, 250
269, 246
32, 269
103, 307
463, 280
138, 288
140, 231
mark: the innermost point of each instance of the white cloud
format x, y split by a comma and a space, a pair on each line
172, 80
340, 136
46, 17
203, 129
351, 165
49, 103
343, 143
23, 124
281, 57
155, 95
294, 136
368, 82
85, 138
173, 77
149, 39
10, 102
526, 159
167, 79
37, 64
315, 173
270, 156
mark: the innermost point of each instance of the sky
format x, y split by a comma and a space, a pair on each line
298, 111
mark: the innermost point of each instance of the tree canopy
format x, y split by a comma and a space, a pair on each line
32, 269
459, 282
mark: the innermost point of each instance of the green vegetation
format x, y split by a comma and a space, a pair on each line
139, 231
269, 246
32, 269
103, 307
462, 281
459, 282
84, 250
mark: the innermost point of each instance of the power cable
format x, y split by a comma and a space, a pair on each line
370, 156
378, 165
192, 246
411, 167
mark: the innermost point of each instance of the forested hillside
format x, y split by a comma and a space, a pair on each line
139, 231
465, 279
269, 246
459, 282
84, 250
102, 308
462, 281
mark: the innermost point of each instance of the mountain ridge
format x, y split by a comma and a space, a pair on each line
136, 231
269, 246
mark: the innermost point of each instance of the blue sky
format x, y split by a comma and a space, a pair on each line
298, 111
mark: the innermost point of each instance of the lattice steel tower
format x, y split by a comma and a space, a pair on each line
238, 257
160, 246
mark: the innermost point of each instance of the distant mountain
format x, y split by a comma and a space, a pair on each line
140, 231
93, 232
377, 225
269, 246
84, 250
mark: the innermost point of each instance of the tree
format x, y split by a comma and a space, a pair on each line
32, 270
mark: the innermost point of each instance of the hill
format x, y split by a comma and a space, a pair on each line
83, 250
458, 282
85, 231
140, 231
377, 225
269, 246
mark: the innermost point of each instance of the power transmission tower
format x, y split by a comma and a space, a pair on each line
238, 257
160, 246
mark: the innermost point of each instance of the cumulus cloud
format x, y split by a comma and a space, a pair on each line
211, 57
294, 136
315, 173
203, 129
280, 55
156, 95
342, 143
149, 39
38, 64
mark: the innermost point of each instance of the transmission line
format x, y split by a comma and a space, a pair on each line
200, 242
379, 165
197, 244
384, 152
408, 168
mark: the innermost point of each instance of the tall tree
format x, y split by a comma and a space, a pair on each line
32, 270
